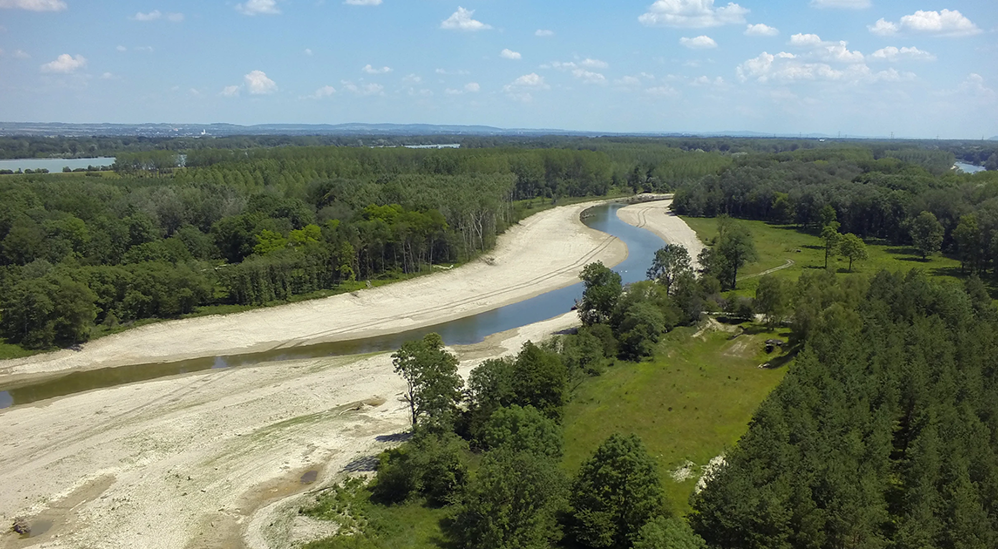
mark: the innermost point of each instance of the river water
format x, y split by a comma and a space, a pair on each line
969, 168
641, 246
54, 164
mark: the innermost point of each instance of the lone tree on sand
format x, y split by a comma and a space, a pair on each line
433, 388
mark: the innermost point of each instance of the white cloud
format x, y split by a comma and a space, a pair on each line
974, 85
461, 20
788, 68
589, 77
121, 48
258, 7
543, 33
151, 16
148, 49
826, 51
65, 64
692, 14
411, 79
110, 76
259, 84
532, 80
662, 91
230, 91
362, 2
323, 92
34, 5
510, 54
470, 87
593, 63
893, 54
699, 43
845, 4
761, 30
706, 81
308, 51
805, 40
938, 23
363, 90
883, 27
156, 15
944, 23
572, 65
371, 70
627, 82
521, 88
20, 54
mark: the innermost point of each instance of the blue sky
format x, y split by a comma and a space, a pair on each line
861, 67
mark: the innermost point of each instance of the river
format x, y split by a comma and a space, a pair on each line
54, 164
968, 168
641, 246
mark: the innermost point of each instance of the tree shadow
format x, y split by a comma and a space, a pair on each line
363, 464
784, 359
394, 437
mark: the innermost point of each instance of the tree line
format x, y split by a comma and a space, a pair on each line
896, 198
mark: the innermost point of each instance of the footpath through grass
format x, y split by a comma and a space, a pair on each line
778, 243
692, 402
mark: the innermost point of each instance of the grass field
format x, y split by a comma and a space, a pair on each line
778, 243
406, 526
692, 402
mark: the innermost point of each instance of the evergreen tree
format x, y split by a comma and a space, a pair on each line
615, 493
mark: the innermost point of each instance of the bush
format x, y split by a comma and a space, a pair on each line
430, 465
522, 430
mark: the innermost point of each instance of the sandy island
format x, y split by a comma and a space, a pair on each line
217, 458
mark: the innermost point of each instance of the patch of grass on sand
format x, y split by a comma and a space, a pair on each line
778, 243
10, 350
407, 526
692, 402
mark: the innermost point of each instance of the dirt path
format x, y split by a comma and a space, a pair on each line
788, 264
545, 252
656, 217
198, 460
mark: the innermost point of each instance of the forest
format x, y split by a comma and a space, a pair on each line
185, 224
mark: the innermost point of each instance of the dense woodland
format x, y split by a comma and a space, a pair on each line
883, 434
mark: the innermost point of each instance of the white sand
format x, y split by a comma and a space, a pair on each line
188, 461
543, 253
212, 459
656, 217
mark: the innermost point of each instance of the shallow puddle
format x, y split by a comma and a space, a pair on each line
309, 477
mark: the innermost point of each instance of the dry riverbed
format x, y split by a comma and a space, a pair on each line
218, 458
544, 252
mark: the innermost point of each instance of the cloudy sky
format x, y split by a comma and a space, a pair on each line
918, 68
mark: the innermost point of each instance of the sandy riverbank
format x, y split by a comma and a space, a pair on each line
209, 459
187, 461
656, 217
544, 252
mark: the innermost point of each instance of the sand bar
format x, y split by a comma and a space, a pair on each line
544, 252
